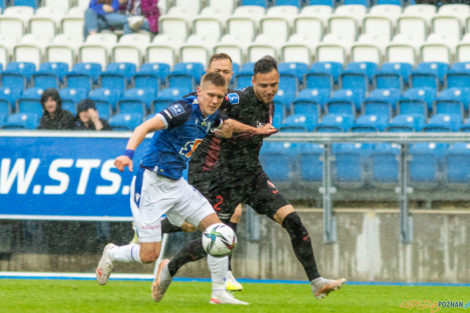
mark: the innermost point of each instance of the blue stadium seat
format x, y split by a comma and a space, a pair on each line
2, 5
29, 3
60, 69
367, 68
307, 107
357, 2
289, 84
3, 118
385, 79
381, 101
92, 69
125, 122
78, 80
151, 75
456, 79
333, 123
166, 97
440, 69
278, 118
145, 95
22, 121
299, 69
465, 127
297, 3
443, 123
355, 81
310, 156
243, 79
248, 67
417, 101
330, 3
107, 97
10, 94
13, 80
406, 123
261, 3
44, 80
70, 106
395, 2
426, 162
195, 69
457, 163
126, 69
72, 94
318, 80
114, 81
277, 159
400, 68
349, 164
423, 78
462, 67
344, 101
181, 81
25, 68
318, 96
332, 68
5, 107
384, 164
30, 101
131, 105
370, 123
297, 123
452, 101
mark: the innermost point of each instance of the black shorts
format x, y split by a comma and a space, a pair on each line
253, 189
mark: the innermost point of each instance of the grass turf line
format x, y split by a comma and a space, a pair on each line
63, 296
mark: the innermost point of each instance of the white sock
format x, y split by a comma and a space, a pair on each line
218, 268
126, 254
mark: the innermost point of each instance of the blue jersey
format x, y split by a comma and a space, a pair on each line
172, 147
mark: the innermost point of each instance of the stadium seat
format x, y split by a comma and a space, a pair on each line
318, 80
113, 80
13, 80
439, 69
138, 94
354, 81
452, 101
332, 68
379, 25
333, 48
91, 69
72, 94
310, 158
345, 101
10, 95
457, 164
297, 123
106, 97
25, 68
417, 101
385, 165
151, 75
195, 69
125, 122
406, 123
332, 123
277, 159
60, 69
413, 25
310, 102
29, 101
196, 49
425, 163
370, 123
296, 68
330, 3
242, 27
208, 26
180, 80
243, 79
79, 81
345, 26
381, 101
28, 3
458, 79
131, 105
22, 121
310, 26
261, 3
44, 80
166, 97
349, 165
174, 26
5, 107
443, 123
393, 75
161, 53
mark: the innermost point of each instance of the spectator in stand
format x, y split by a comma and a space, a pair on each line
87, 117
104, 14
144, 15
54, 117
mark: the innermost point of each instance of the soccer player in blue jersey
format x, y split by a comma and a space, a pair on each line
157, 187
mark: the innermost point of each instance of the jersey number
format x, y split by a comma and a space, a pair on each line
189, 147
216, 206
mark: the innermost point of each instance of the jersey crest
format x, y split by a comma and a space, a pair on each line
233, 98
176, 109
189, 147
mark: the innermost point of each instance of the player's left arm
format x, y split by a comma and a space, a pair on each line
154, 124
238, 127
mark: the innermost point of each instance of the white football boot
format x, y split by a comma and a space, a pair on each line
162, 281
105, 266
231, 284
321, 287
224, 297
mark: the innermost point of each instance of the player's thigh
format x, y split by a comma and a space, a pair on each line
266, 199
225, 200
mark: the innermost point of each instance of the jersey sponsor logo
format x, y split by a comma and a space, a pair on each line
190, 147
273, 188
176, 109
233, 98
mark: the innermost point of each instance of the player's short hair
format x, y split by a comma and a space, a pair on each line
214, 78
51, 93
219, 56
265, 65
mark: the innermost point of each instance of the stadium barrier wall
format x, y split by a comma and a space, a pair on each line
46, 176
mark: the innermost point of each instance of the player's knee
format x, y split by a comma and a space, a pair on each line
188, 228
237, 215
294, 226
148, 256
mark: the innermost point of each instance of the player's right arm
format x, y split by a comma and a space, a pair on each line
154, 124
238, 127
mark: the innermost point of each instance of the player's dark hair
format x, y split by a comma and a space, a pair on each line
220, 56
51, 93
215, 79
265, 65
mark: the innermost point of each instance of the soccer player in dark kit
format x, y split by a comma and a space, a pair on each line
238, 177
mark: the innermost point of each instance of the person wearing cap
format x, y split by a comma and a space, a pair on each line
87, 117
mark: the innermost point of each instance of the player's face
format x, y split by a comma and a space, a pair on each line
210, 97
266, 85
223, 67
50, 105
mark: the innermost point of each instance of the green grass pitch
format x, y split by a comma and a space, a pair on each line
63, 296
